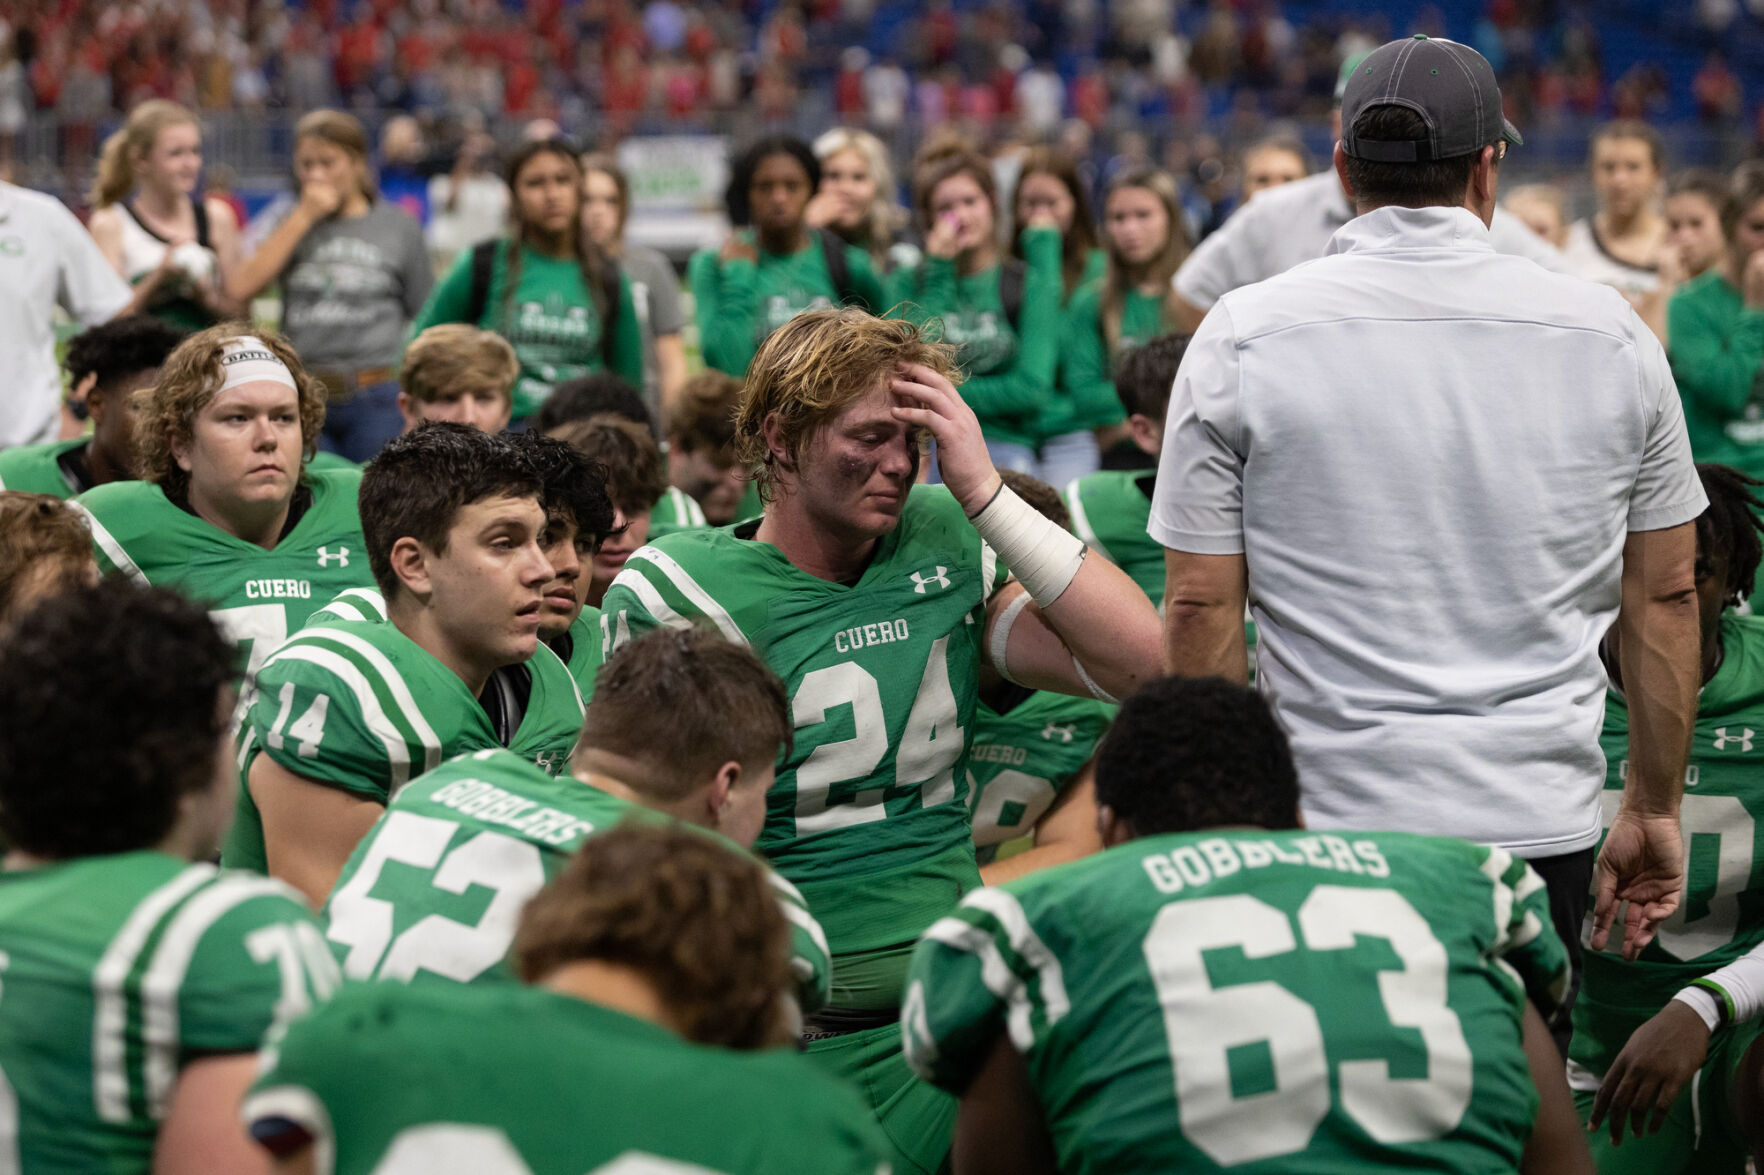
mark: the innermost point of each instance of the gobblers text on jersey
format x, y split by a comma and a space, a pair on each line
1198, 864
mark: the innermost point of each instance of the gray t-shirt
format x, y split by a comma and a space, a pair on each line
1429, 455
655, 291
352, 287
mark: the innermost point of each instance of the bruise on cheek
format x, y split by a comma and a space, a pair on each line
856, 469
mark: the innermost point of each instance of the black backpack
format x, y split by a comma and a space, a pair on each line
839, 269
484, 256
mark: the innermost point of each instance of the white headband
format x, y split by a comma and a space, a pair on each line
245, 361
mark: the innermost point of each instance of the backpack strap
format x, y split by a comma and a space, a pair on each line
199, 205
609, 321
1011, 275
483, 266
839, 269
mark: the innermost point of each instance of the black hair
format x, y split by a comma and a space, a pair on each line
574, 486
741, 168
1145, 375
1730, 527
420, 481
1189, 754
591, 395
147, 667
1406, 185
120, 348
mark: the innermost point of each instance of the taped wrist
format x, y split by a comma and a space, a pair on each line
1043, 557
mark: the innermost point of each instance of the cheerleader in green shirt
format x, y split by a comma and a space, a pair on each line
1049, 182
546, 288
1002, 315
1131, 304
768, 274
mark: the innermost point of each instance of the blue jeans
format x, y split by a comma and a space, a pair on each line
1010, 455
1068, 457
356, 428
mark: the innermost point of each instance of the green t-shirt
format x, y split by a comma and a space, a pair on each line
1254, 1001
359, 706
514, 1080
257, 597
44, 469
739, 302
433, 893
115, 973
869, 814
1020, 760
1721, 913
675, 510
1087, 363
1008, 368
1716, 346
552, 322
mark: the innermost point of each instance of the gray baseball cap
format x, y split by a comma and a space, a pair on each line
1451, 86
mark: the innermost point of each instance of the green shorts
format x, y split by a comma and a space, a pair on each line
919, 1119
1702, 1135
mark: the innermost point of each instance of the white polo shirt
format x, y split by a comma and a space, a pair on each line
47, 259
1285, 226
1430, 455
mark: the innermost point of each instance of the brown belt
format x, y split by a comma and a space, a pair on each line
342, 385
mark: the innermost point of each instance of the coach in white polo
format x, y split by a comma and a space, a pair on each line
1440, 473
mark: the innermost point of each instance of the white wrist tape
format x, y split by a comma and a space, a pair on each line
246, 361
1042, 556
1703, 1004
1001, 633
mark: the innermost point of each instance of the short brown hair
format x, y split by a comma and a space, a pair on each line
815, 366
694, 915
1043, 498
1630, 128
188, 380
635, 480
702, 417
344, 132
444, 357
682, 702
947, 166
37, 529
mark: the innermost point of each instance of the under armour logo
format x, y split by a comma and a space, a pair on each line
550, 762
325, 557
1064, 733
1744, 738
921, 581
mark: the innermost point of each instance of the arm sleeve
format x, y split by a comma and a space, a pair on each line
1716, 368
724, 293
418, 278
627, 342
1525, 934
315, 713
85, 284
1668, 491
1198, 503
450, 298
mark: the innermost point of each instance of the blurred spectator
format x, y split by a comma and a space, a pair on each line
175, 246
856, 198
1698, 206
1619, 244
1275, 160
655, 288
1539, 207
886, 91
403, 151
470, 203
354, 271
1717, 90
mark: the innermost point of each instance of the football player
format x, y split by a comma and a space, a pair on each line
683, 723
1219, 990
347, 712
657, 973
226, 511
873, 599
1689, 1006
108, 364
135, 986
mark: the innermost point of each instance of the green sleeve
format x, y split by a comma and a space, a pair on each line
1528, 939
627, 343
311, 717
903, 291
1084, 382
450, 300
1714, 363
864, 281
724, 294
263, 961
1025, 391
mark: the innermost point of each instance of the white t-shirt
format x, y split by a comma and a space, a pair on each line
1285, 226
1430, 456
47, 259
1586, 257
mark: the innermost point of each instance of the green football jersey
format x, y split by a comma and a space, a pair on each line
1020, 760
1254, 1002
116, 972
433, 893
257, 597
869, 814
40, 469
514, 1080
1110, 510
675, 510
339, 704
1721, 913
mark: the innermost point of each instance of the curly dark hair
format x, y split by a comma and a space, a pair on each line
154, 672
1189, 754
626, 454
575, 487
591, 395
420, 481
1730, 527
115, 350
692, 913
